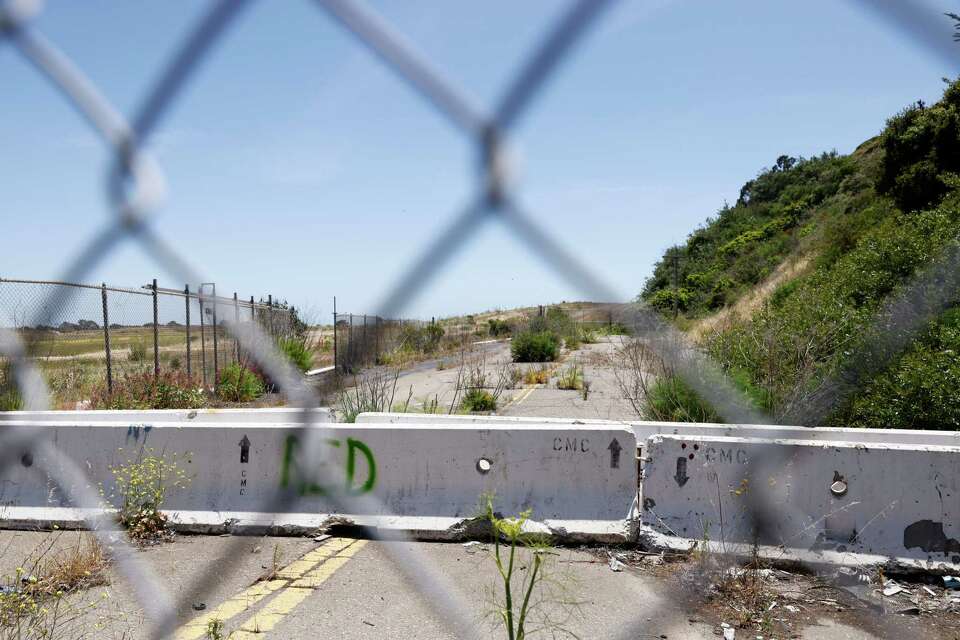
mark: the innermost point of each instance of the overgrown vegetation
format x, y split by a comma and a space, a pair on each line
238, 383
531, 596
374, 391
144, 390
10, 398
297, 351
480, 389
655, 389
35, 602
530, 346
865, 224
498, 328
537, 375
140, 488
571, 378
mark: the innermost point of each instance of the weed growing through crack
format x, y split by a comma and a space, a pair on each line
35, 601
531, 596
571, 378
215, 630
537, 375
140, 490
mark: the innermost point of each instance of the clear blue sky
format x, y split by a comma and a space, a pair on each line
298, 165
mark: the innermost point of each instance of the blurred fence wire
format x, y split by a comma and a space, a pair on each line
135, 188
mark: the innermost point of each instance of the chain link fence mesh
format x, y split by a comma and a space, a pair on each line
135, 188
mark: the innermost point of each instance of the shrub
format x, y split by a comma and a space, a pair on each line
423, 339
140, 489
921, 147
478, 400
239, 384
138, 352
297, 352
36, 601
10, 398
571, 378
374, 391
144, 390
673, 400
497, 328
542, 346
539, 375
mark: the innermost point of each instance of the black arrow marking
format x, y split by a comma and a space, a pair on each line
681, 476
615, 449
244, 450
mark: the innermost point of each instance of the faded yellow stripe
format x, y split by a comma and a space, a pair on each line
290, 598
523, 395
239, 603
319, 575
263, 621
197, 627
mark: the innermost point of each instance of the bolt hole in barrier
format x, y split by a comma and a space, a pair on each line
484, 465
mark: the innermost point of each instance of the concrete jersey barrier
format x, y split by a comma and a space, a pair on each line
272, 415
893, 500
579, 482
643, 430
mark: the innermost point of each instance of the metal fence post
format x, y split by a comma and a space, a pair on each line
334, 334
106, 337
186, 296
236, 321
366, 343
270, 314
216, 355
203, 337
156, 333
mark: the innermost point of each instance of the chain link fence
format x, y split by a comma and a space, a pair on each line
135, 187
101, 334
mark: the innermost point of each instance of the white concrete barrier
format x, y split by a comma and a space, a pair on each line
643, 430
895, 500
429, 479
270, 415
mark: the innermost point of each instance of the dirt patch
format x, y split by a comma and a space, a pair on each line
755, 600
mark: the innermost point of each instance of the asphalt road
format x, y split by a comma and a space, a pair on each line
434, 382
350, 588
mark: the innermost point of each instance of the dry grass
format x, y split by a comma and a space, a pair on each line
537, 375
752, 300
80, 566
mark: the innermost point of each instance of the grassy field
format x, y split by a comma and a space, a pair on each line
50, 344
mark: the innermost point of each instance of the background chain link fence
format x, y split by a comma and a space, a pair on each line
99, 335
135, 188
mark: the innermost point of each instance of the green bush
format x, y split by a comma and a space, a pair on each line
478, 400
422, 339
497, 328
541, 346
673, 400
297, 352
919, 390
144, 390
921, 146
10, 398
239, 384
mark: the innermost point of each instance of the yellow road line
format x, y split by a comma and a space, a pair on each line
316, 577
523, 395
239, 603
290, 598
197, 627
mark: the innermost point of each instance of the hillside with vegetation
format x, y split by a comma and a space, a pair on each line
786, 289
